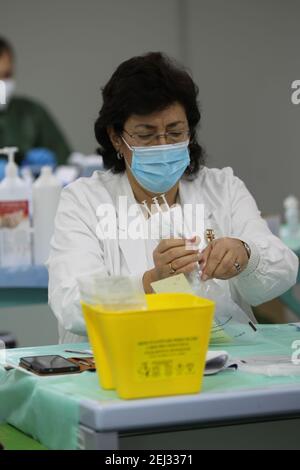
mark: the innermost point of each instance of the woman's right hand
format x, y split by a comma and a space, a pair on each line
172, 256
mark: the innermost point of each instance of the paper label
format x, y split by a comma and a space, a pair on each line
15, 242
10, 208
178, 283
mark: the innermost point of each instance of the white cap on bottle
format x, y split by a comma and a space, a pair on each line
11, 169
46, 178
291, 202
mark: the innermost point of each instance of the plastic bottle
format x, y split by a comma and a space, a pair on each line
45, 196
27, 175
291, 215
15, 232
290, 231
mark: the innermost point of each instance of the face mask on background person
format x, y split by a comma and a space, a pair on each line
9, 89
158, 168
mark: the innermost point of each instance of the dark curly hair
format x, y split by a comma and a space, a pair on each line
5, 46
143, 85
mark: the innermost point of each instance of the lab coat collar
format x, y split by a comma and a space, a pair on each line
198, 191
190, 192
134, 251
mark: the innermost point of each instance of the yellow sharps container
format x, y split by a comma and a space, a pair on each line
154, 352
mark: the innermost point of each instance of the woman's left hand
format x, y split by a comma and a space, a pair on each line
223, 258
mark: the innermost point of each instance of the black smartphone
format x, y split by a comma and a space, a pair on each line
50, 364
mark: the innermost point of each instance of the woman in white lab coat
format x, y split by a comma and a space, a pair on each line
147, 134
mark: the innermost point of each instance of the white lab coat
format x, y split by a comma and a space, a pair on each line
229, 209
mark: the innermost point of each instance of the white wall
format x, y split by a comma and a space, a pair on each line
244, 54
67, 50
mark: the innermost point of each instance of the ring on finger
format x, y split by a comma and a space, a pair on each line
237, 266
172, 270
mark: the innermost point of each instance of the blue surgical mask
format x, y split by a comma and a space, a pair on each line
158, 168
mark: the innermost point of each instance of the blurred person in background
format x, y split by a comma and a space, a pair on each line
26, 124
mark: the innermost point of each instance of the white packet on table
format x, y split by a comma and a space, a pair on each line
271, 366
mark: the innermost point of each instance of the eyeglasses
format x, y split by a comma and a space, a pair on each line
172, 137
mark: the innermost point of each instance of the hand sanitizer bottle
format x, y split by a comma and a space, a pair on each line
45, 197
15, 235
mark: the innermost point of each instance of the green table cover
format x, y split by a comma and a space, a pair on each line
48, 408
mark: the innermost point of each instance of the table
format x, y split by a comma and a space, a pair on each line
235, 409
